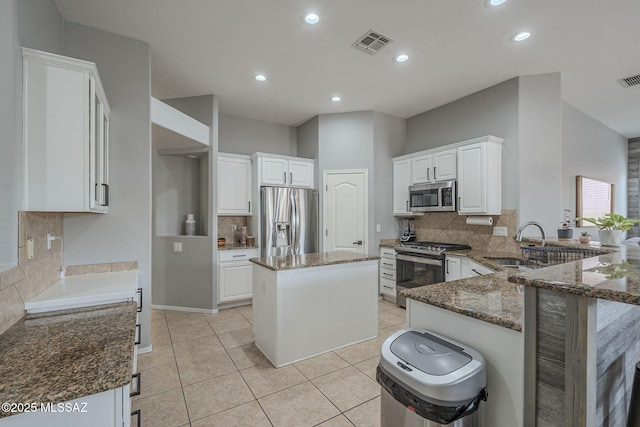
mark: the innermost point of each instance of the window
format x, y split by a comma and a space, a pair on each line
593, 198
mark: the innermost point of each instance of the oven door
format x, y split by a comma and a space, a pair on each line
413, 271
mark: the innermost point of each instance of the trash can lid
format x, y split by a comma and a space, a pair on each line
429, 353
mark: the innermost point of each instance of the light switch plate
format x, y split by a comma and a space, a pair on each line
177, 246
378, 228
499, 231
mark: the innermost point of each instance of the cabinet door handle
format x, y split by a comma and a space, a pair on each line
138, 378
105, 189
476, 271
138, 334
428, 169
284, 177
388, 287
434, 173
137, 414
386, 263
387, 274
407, 206
249, 206
239, 256
447, 266
139, 292
290, 177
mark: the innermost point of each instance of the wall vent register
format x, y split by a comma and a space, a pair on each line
630, 81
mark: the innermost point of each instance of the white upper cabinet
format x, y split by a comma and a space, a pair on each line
66, 135
285, 171
480, 177
401, 183
234, 184
444, 165
421, 169
433, 166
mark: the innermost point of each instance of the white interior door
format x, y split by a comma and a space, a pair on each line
345, 211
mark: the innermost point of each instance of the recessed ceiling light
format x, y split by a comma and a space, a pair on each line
401, 58
494, 3
336, 99
260, 77
311, 18
521, 36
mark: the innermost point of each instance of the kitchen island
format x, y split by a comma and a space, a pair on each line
309, 304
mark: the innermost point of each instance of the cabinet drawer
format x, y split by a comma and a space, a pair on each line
388, 264
388, 274
388, 253
387, 287
237, 254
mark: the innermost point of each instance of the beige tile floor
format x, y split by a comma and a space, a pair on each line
204, 370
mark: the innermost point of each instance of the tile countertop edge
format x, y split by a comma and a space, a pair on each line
319, 259
71, 334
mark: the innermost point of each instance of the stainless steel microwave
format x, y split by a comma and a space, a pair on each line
436, 197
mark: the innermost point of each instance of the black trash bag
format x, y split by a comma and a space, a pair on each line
428, 410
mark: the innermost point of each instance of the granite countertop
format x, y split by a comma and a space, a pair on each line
290, 262
613, 276
236, 247
490, 298
59, 356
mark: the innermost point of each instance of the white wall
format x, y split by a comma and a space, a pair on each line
492, 111
591, 149
540, 152
242, 135
125, 232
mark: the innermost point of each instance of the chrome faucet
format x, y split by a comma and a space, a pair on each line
523, 226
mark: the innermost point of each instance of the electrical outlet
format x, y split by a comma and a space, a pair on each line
499, 231
29, 248
49, 240
177, 246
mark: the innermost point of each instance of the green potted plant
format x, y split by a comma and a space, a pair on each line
611, 227
585, 237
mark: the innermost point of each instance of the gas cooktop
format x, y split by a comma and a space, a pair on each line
430, 248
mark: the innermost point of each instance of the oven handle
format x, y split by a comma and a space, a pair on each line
419, 260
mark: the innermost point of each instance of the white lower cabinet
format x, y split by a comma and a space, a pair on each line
463, 268
111, 408
387, 274
452, 270
235, 274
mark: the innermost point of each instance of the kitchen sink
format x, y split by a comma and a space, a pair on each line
509, 262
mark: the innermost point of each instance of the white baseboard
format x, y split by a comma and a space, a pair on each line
187, 309
143, 350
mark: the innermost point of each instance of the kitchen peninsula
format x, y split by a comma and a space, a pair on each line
561, 342
308, 304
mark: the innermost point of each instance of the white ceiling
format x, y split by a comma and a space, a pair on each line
457, 47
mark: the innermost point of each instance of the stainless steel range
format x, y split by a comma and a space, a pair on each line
420, 264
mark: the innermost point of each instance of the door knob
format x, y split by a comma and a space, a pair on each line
359, 242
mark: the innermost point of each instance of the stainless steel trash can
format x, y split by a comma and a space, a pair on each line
429, 380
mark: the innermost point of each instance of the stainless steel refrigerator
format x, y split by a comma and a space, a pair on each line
289, 221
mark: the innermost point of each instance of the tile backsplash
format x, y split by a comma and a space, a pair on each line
452, 228
31, 276
224, 228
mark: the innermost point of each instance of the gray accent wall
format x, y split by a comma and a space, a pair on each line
11, 146
492, 111
186, 279
540, 152
389, 134
125, 232
241, 135
308, 143
591, 149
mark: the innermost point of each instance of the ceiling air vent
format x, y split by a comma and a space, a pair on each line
630, 81
371, 42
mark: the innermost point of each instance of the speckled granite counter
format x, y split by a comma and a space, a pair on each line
491, 298
290, 262
614, 276
47, 358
